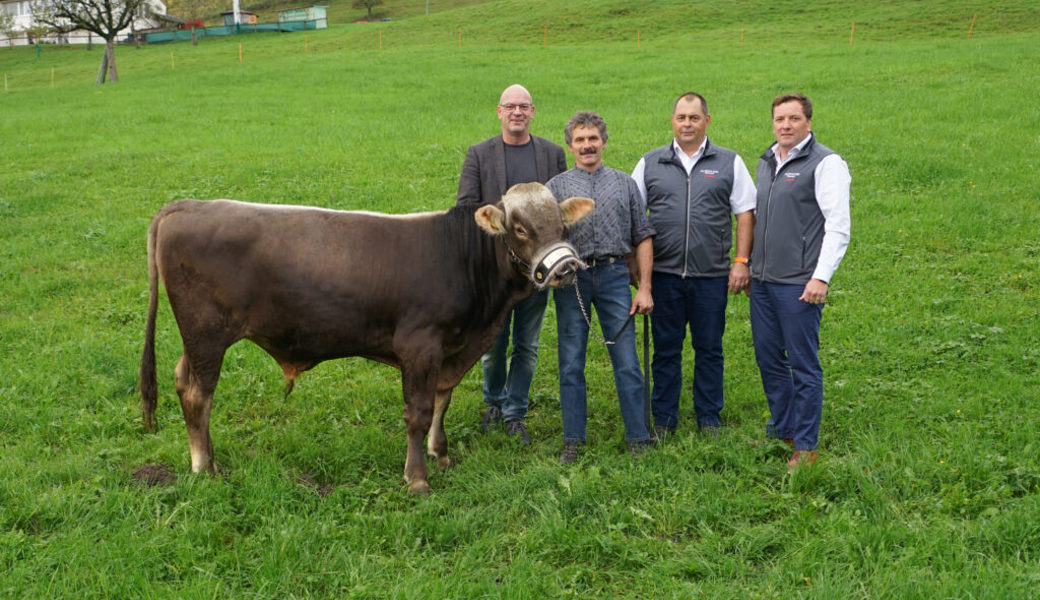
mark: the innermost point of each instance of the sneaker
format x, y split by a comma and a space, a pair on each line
711, 431
570, 453
518, 428
492, 417
637, 448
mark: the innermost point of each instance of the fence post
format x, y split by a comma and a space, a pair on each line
972, 26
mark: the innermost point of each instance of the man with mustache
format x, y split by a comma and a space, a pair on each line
616, 229
802, 230
691, 188
490, 168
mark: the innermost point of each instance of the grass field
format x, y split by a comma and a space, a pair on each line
928, 485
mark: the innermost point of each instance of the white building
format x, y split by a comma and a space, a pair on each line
21, 13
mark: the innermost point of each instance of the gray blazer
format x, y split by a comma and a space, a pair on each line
483, 177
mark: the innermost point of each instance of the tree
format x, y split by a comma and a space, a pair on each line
106, 18
367, 4
192, 12
7, 26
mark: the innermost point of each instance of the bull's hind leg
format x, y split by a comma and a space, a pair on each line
437, 441
195, 385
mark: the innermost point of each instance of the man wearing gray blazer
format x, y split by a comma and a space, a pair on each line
490, 168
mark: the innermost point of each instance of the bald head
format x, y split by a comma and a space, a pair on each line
515, 110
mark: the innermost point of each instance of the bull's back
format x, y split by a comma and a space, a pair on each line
312, 283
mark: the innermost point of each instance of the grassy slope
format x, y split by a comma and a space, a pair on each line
930, 480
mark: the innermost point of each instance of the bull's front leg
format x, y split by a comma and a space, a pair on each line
437, 441
419, 391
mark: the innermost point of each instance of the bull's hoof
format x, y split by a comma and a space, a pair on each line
445, 462
419, 488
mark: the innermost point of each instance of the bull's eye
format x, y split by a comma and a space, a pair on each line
520, 231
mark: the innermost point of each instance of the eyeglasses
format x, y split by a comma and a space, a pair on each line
511, 107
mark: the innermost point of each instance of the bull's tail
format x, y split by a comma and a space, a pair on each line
149, 388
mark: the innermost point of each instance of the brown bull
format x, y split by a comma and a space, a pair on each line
426, 293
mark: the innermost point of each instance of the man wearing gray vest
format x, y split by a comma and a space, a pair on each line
691, 188
490, 168
801, 233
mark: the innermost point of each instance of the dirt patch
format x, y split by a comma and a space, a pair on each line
307, 481
154, 475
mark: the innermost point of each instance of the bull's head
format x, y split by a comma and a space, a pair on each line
533, 225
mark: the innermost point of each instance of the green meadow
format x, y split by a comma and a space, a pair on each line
928, 483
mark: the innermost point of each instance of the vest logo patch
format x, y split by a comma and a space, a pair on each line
711, 173
791, 176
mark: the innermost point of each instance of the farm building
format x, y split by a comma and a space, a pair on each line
20, 30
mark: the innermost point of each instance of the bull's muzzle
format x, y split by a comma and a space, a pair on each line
557, 267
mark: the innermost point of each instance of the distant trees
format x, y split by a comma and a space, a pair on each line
106, 18
368, 5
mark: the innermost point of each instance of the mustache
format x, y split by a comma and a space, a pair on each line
588, 151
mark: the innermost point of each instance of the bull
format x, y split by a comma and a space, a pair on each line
425, 293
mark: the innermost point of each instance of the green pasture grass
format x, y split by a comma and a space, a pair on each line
928, 483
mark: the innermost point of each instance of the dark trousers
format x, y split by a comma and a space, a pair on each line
786, 334
700, 304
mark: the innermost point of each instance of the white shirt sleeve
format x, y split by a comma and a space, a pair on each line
743, 197
832, 195
637, 174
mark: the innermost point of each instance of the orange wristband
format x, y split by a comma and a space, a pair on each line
740, 259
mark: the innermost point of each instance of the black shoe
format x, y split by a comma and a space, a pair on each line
492, 417
570, 453
517, 428
637, 448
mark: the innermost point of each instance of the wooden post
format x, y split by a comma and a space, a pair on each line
972, 26
545, 36
852, 33
240, 52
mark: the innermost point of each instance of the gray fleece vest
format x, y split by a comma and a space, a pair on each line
692, 214
788, 220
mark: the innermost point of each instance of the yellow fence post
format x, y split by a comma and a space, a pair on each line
972, 26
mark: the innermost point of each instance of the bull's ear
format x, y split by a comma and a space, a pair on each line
575, 209
491, 219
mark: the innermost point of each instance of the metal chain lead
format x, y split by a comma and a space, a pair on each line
588, 320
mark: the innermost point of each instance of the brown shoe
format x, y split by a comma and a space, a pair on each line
800, 458
788, 441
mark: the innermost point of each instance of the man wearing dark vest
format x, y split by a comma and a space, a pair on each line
490, 168
801, 233
691, 188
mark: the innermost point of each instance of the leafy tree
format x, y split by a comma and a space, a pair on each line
7, 26
368, 5
194, 10
106, 18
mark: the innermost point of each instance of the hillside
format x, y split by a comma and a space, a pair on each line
534, 21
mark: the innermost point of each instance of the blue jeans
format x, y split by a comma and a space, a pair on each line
510, 390
699, 303
786, 334
604, 287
